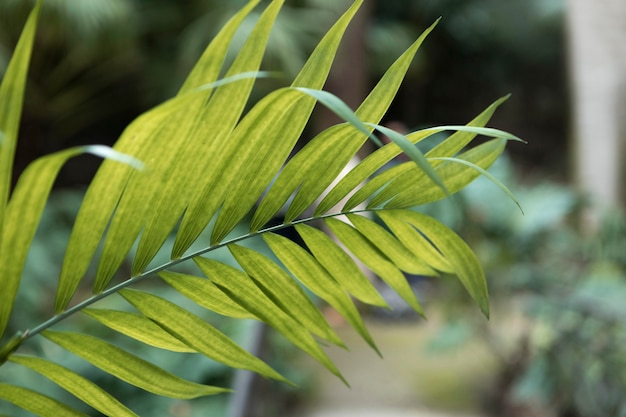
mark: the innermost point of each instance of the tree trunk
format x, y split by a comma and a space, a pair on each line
597, 50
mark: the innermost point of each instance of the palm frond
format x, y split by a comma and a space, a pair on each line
207, 168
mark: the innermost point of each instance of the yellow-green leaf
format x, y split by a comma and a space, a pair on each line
36, 403
106, 189
461, 258
128, 367
375, 260
235, 190
390, 246
215, 120
206, 294
138, 327
11, 100
380, 157
284, 292
339, 264
246, 292
80, 387
416, 242
24, 213
315, 277
197, 333
457, 176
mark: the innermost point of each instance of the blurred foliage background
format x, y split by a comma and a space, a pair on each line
98, 63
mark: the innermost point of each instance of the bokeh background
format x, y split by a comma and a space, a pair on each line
557, 273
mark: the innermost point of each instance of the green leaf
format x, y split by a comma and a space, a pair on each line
382, 156
249, 160
128, 367
11, 100
414, 153
315, 277
246, 292
80, 387
206, 294
36, 403
24, 213
332, 149
375, 260
417, 243
139, 139
457, 176
486, 174
197, 333
340, 265
283, 291
389, 245
461, 258
139, 328
215, 120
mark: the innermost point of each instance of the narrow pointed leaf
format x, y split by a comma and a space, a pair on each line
24, 213
80, 387
416, 243
197, 333
339, 264
313, 275
390, 246
201, 136
211, 194
457, 176
36, 403
486, 174
416, 156
284, 292
380, 157
206, 294
128, 367
245, 292
107, 187
102, 198
332, 149
374, 260
461, 258
11, 100
139, 328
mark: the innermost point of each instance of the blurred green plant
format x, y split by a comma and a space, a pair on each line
195, 167
568, 359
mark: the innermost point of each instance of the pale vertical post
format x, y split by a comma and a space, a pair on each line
597, 52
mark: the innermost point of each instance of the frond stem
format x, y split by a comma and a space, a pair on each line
134, 280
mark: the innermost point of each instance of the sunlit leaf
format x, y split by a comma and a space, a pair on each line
247, 293
75, 384
206, 294
375, 260
198, 334
139, 328
37, 403
339, 264
461, 258
331, 149
128, 367
11, 99
315, 277
24, 213
283, 291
